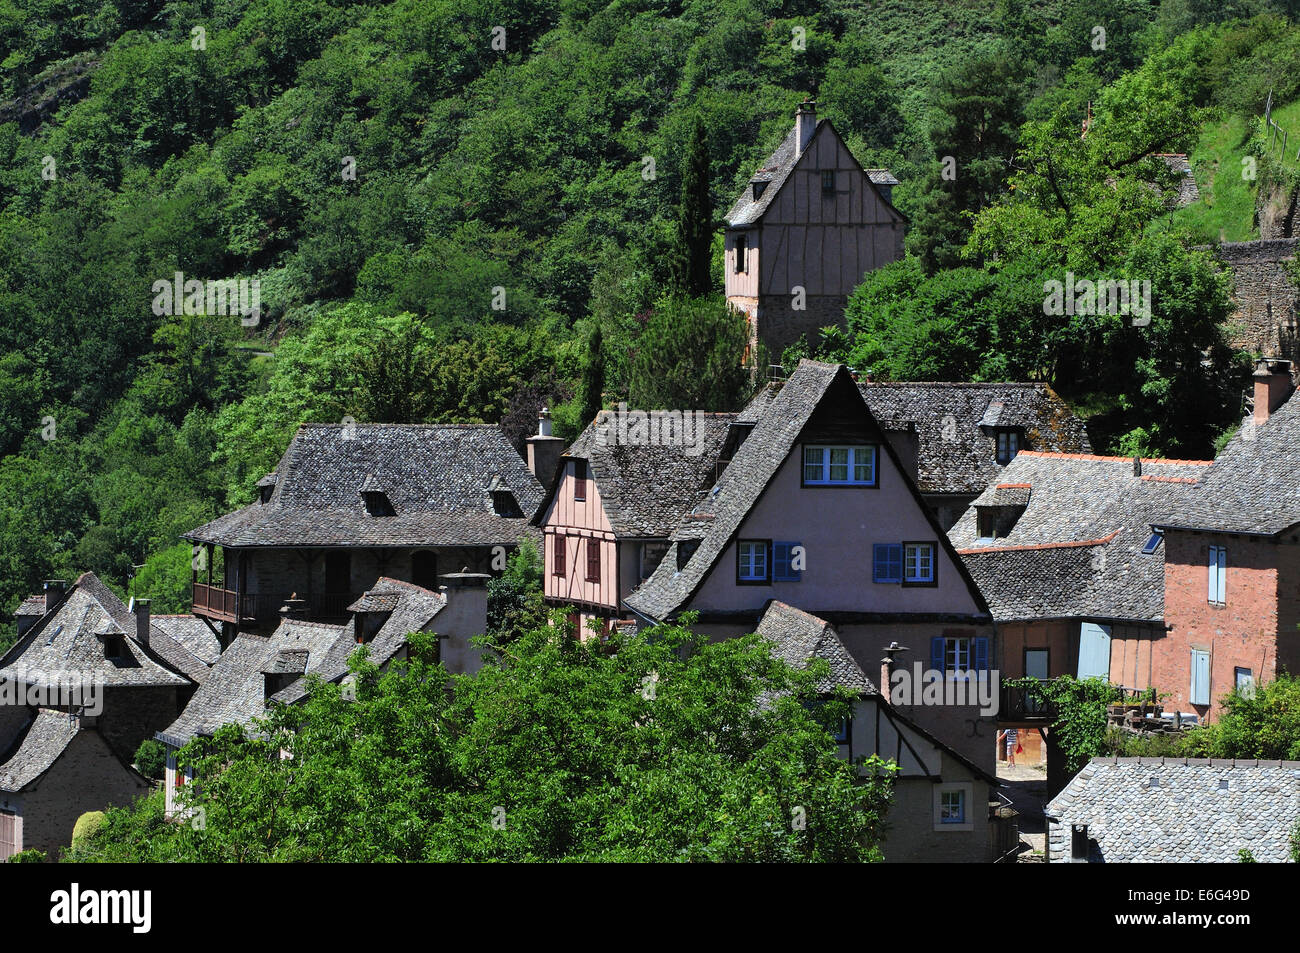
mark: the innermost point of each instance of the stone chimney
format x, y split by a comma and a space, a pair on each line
54, 590
294, 608
544, 449
141, 609
1137, 466
462, 619
1272, 387
805, 123
887, 667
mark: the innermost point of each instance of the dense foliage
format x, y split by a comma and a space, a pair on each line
659, 747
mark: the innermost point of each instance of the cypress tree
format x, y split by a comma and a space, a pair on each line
694, 241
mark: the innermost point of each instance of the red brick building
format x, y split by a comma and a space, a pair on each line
1232, 561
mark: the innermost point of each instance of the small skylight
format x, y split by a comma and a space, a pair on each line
1152, 544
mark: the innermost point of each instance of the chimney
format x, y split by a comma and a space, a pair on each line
54, 590
544, 449
887, 667
461, 620
141, 607
805, 123
1272, 387
1137, 466
294, 608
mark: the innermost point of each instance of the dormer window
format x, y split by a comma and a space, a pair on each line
377, 503
1008, 445
759, 188
266, 487
685, 550
828, 182
987, 523
114, 647
505, 504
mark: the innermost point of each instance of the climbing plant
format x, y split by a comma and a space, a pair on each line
1079, 728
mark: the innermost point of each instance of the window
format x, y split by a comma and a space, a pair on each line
1008, 445
593, 560
742, 252
918, 564
685, 550
842, 736
1152, 544
1218, 589
1244, 679
1078, 841
958, 654
952, 807
580, 480
842, 466
987, 523
1037, 663
557, 557
751, 557
1200, 692
887, 562
784, 560
828, 182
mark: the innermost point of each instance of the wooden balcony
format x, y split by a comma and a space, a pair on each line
227, 605
1019, 706
224, 605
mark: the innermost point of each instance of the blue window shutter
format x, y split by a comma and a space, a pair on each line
887, 562
782, 560
936, 653
981, 654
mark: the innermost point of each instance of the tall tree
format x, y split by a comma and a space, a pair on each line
694, 240
593, 376
689, 357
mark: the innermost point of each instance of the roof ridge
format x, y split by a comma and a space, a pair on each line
1074, 544
1103, 458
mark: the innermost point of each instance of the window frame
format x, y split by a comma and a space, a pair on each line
828, 182
741, 265
1207, 692
851, 465
579, 481
766, 579
933, 580
889, 562
964, 791
1010, 435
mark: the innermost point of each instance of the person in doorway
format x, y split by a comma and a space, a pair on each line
1012, 738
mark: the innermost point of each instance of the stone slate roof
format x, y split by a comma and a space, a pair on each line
1252, 487
955, 453
800, 637
235, 691
718, 516
1188, 817
65, 644
435, 475
191, 633
775, 170
646, 490
1076, 549
32, 605
47, 737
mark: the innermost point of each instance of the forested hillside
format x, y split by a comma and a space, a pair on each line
443, 201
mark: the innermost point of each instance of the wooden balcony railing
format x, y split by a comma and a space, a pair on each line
1017, 704
226, 605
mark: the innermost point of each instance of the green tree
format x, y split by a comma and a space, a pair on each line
691, 259
593, 376
657, 747
689, 356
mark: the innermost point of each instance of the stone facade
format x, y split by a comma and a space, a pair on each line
1264, 296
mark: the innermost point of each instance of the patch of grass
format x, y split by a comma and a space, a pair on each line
1226, 209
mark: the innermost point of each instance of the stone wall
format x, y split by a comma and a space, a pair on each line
780, 325
1264, 296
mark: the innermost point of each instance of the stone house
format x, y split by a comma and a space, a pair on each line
808, 225
350, 503
957, 437
815, 509
1232, 560
1167, 810
940, 809
86, 683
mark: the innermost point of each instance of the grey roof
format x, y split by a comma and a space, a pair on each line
235, 690
435, 475
718, 516
800, 637
47, 736
747, 210
32, 605
957, 449
1076, 548
191, 633
645, 490
1187, 817
65, 644
1253, 486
